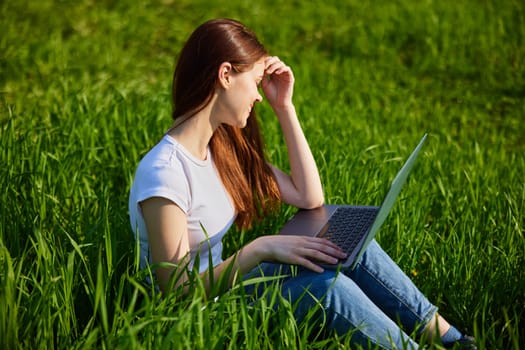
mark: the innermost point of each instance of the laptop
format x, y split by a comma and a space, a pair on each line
351, 227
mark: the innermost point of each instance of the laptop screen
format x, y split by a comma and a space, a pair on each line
393, 192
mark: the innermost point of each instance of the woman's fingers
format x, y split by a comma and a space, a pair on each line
300, 250
320, 257
310, 265
311, 258
273, 63
309, 251
329, 256
275, 66
326, 246
278, 87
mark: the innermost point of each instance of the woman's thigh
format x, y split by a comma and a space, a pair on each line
336, 302
391, 289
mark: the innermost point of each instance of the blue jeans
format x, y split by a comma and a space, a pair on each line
376, 300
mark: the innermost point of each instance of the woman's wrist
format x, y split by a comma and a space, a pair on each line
284, 110
258, 249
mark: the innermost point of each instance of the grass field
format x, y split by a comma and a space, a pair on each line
85, 92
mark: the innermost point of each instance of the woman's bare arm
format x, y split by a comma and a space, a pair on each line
168, 241
302, 188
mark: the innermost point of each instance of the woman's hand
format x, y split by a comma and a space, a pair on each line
278, 83
299, 250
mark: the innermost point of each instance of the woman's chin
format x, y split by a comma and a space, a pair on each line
239, 123
243, 123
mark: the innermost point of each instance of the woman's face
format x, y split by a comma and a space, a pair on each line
238, 99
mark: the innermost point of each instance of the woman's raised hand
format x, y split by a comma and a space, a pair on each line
278, 83
299, 250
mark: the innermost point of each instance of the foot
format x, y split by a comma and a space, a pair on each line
466, 342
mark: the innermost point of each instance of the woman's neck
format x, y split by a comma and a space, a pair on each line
194, 133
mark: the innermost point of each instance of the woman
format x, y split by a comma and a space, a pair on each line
209, 171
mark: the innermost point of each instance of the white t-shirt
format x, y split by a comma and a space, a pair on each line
168, 170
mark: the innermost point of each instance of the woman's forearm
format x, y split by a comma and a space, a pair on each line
304, 173
294, 250
242, 262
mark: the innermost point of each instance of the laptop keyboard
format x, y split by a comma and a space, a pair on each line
348, 225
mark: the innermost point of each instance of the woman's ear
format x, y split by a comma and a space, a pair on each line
225, 72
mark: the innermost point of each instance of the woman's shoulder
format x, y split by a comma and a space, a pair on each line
161, 153
170, 153
160, 163
161, 172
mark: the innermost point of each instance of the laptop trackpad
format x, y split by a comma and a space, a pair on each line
308, 222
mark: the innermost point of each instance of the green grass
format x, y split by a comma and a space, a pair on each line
85, 92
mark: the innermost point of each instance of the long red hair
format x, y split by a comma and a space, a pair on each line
238, 153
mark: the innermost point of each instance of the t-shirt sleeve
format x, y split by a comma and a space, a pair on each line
163, 180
